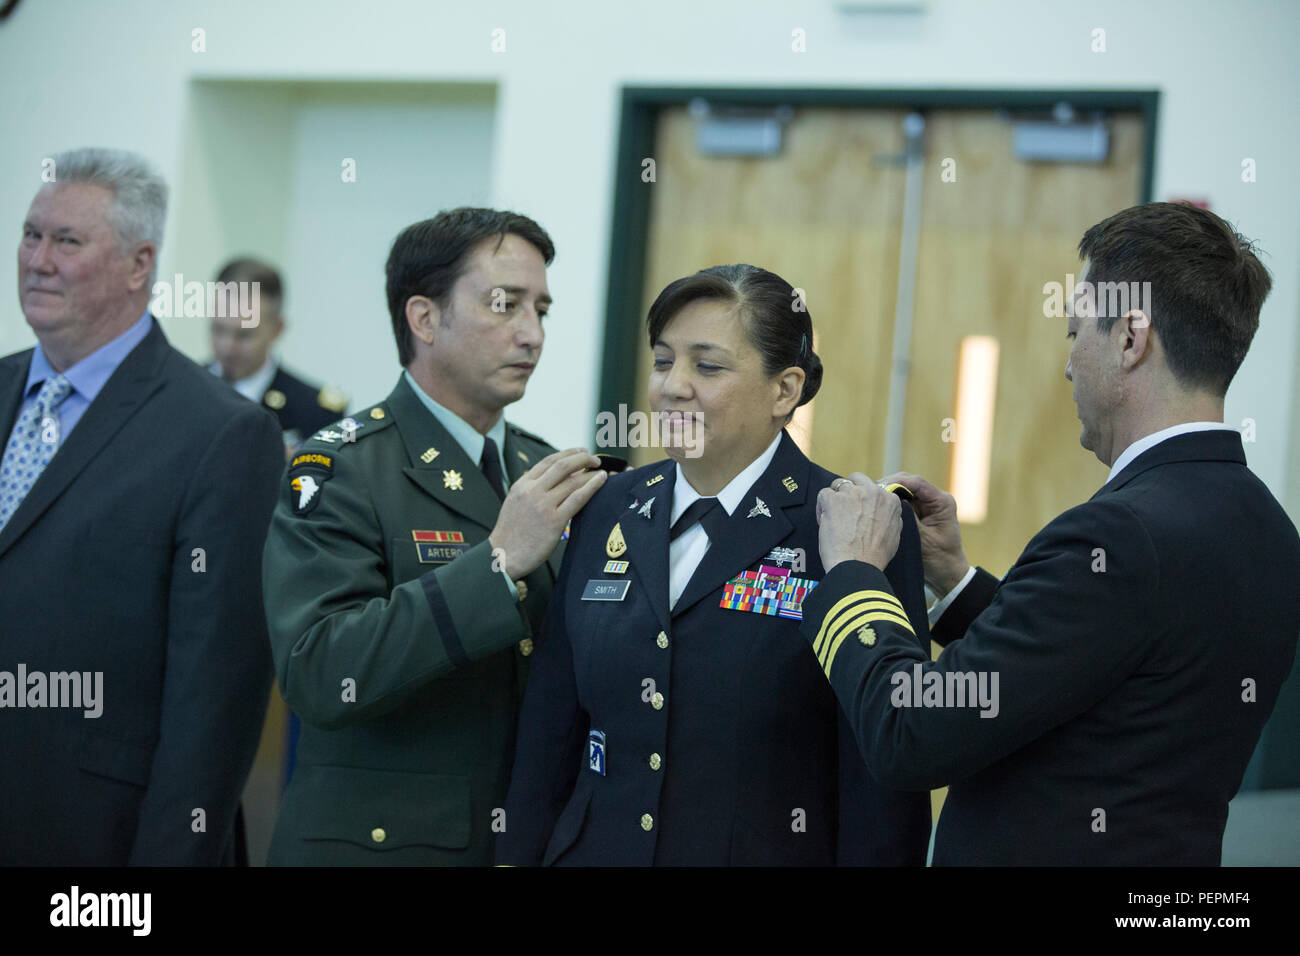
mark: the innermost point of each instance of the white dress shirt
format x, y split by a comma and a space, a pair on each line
1126, 456
255, 386
685, 554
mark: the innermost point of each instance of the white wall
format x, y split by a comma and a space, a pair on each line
80, 72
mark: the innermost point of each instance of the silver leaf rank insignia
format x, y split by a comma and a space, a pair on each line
451, 478
308, 473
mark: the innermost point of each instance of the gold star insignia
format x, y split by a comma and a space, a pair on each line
452, 479
866, 635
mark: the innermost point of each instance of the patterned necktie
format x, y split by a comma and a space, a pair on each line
491, 466
33, 443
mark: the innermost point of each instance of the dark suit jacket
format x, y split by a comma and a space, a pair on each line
407, 763
747, 759
1140, 642
98, 572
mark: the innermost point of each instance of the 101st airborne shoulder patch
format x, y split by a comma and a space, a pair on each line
308, 473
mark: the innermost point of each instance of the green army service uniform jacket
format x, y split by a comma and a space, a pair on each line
396, 642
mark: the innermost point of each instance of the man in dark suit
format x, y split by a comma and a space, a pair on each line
134, 495
1100, 703
410, 559
242, 357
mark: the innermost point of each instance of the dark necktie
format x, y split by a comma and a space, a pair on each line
491, 467
697, 512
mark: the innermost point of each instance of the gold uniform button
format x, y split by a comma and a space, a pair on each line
657, 701
376, 413
662, 639
378, 835
526, 646
656, 761
647, 822
522, 588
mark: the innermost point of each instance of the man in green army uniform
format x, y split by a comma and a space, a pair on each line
410, 559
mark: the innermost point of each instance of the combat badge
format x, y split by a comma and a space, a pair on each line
308, 473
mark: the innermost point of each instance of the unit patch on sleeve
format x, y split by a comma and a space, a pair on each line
308, 473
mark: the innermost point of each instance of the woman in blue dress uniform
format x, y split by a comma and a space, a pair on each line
674, 714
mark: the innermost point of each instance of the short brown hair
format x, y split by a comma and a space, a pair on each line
1207, 286
429, 256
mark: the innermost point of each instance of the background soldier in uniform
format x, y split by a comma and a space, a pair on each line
402, 590
242, 356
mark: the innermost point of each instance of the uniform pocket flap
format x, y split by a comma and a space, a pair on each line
386, 809
567, 828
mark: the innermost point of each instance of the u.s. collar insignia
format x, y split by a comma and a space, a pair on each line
790, 484
867, 635
429, 454
615, 546
759, 509
451, 479
274, 398
645, 509
654, 481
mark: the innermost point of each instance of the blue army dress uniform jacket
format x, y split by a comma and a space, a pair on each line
701, 735
396, 641
1140, 642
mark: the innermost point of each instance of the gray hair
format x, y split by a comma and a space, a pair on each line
139, 209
